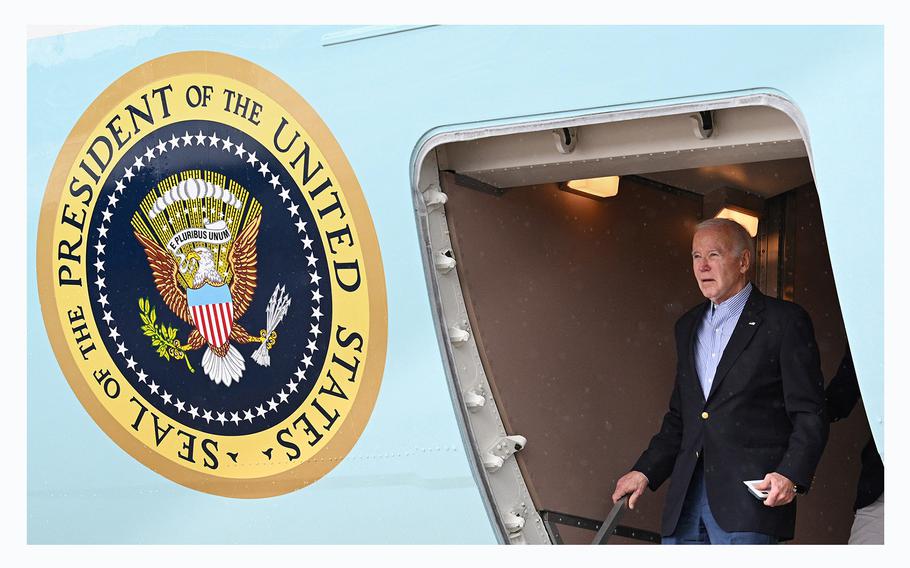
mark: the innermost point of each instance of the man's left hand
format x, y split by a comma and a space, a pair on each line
780, 489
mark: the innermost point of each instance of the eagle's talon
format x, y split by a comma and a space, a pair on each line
178, 351
273, 337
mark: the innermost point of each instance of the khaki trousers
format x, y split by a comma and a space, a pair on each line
869, 524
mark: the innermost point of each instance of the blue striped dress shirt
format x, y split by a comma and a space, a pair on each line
713, 334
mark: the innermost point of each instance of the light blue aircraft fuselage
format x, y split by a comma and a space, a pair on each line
384, 93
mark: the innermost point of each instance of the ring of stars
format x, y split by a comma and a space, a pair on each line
144, 159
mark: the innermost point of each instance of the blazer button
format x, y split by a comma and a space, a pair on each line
704, 415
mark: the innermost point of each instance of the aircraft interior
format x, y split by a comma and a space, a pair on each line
569, 298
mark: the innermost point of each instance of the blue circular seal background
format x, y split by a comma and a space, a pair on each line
289, 252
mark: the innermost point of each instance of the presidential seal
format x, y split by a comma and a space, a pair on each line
210, 277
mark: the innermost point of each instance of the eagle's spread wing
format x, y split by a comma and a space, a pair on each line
242, 263
166, 274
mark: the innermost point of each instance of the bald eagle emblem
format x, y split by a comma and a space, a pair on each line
200, 242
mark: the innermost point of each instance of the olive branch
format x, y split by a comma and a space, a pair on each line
164, 338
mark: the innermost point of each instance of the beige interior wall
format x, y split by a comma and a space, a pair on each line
573, 303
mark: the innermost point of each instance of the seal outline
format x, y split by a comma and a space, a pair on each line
245, 71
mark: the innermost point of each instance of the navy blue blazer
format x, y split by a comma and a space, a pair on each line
764, 413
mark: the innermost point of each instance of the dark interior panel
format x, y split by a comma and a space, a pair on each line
825, 515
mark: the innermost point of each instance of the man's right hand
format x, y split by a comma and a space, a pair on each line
633, 482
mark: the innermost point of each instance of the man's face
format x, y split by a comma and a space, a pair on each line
720, 273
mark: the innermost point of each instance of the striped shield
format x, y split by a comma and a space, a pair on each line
213, 312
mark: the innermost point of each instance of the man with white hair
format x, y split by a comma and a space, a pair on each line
747, 404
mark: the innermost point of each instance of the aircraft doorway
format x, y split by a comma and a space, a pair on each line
557, 310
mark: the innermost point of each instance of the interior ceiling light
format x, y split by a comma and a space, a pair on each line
597, 188
746, 219
740, 206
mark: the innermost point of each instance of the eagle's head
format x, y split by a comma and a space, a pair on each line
205, 267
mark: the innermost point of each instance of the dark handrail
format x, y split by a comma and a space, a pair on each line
609, 524
609, 527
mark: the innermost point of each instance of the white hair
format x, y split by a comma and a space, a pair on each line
738, 234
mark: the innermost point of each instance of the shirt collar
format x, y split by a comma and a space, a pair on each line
734, 299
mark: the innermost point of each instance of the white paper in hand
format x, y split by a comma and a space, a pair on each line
758, 493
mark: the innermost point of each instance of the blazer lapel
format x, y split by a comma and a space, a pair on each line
693, 331
749, 322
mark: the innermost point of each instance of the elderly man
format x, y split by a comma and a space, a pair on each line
748, 403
